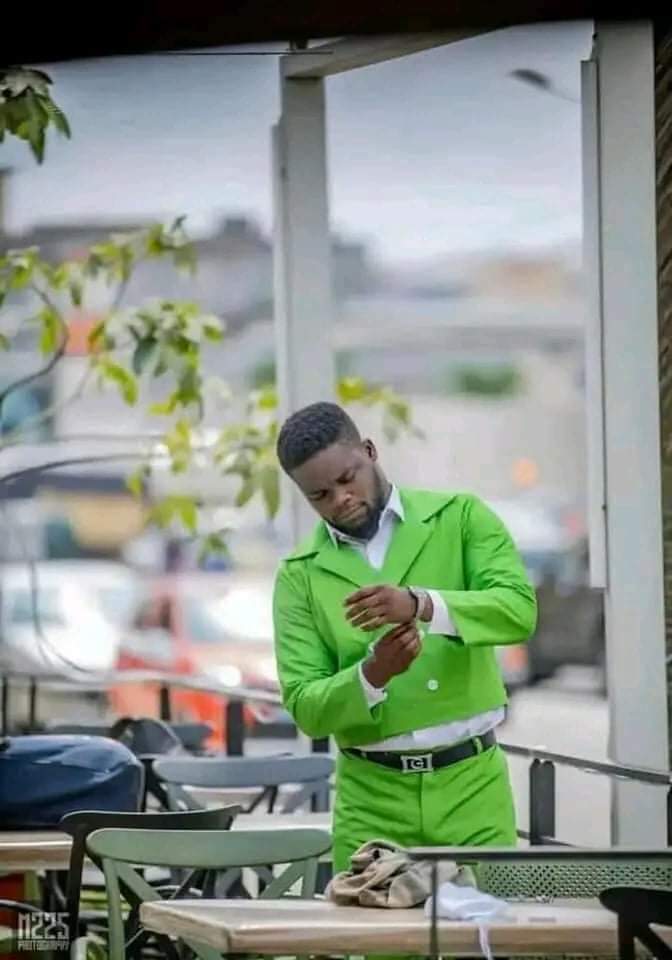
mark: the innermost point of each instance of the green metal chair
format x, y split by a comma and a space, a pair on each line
121, 852
82, 823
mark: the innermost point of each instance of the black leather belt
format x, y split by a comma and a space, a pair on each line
426, 762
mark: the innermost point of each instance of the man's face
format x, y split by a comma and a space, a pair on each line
345, 486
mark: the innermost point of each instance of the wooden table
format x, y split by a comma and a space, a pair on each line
295, 927
23, 851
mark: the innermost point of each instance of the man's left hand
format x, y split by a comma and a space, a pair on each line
374, 607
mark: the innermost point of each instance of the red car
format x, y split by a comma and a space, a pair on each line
176, 628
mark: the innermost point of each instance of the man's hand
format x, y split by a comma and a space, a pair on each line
373, 607
392, 654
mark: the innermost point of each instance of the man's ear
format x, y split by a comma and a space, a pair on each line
370, 450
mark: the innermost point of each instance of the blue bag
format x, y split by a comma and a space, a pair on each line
44, 777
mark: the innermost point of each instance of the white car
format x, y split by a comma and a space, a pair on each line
59, 623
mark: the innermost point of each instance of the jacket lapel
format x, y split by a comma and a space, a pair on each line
408, 540
341, 560
346, 562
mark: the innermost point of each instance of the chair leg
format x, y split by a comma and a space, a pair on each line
653, 942
626, 940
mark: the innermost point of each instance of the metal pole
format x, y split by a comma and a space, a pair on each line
165, 708
5, 705
542, 801
434, 936
235, 728
32, 705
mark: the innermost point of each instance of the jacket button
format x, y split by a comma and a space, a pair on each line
432, 684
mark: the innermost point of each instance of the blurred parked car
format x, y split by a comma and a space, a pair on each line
73, 631
571, 615
570, 628
186, 625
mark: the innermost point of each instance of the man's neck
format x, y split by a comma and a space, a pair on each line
345, 537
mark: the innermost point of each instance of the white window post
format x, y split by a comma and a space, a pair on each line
624, 432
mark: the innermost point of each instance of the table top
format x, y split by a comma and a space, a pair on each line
28, 850
25, 850
297, 927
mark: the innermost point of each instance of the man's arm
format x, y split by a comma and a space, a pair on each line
322, 699
499, 604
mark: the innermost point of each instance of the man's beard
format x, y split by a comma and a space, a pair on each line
368, 528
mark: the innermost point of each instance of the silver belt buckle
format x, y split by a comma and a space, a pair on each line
416, 763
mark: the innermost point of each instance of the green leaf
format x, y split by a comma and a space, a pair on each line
352, 389
213, 545
247, 491
400, 411
50, 333
58, 118
182, 508
188, 514
166, 407
267, 399
144, 354
4, 342
76, 292
95, 337
136, 481
59, 276
128, 385
269, 481
213, 333
178, 443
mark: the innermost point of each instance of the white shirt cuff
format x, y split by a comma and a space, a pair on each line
373, 694
442, 622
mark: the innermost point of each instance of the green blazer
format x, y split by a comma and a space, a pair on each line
449, 542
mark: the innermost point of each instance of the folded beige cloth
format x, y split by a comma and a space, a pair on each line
383, 875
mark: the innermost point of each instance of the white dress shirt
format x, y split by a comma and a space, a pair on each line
444, 734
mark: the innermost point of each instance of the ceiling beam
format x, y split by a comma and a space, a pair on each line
352, 53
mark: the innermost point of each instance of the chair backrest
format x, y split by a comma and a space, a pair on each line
84, 822
577, 880
638, 909
228, 773
121, 853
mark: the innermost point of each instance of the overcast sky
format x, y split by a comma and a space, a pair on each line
441, 152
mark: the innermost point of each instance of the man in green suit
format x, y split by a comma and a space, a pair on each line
386, 622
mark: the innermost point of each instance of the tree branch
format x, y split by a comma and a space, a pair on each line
46, 414
38, 629
51, 363
38, 374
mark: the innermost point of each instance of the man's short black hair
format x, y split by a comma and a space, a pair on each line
311, 430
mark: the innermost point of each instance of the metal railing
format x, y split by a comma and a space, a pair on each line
542, 766
542, 769
234, 698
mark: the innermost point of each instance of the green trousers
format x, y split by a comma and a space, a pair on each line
469, 803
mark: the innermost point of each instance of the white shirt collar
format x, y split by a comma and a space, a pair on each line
393, 507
